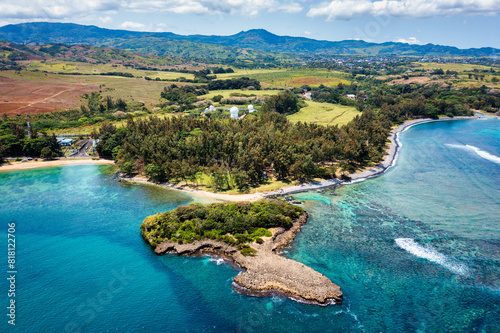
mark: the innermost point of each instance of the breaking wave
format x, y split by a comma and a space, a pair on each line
485, 154
432, 255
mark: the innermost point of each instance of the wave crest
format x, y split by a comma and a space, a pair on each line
432, 255
485, 154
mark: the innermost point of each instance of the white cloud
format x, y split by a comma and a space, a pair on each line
346, 9
105, 20
132, 26
55, 9
410, 40
61, 9
245, 7
307, 33
161, 27
291, 8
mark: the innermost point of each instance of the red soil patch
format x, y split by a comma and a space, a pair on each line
30, 97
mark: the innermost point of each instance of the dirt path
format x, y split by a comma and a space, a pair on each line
42, 100
340, 115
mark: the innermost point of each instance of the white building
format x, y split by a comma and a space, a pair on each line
251, 109
234, 112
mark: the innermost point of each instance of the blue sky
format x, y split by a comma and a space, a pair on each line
461, 23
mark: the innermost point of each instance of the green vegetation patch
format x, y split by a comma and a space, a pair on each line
237, 224
325, 114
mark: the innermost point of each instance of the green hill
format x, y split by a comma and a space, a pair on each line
252, 44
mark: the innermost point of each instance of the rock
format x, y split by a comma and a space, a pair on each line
267, 273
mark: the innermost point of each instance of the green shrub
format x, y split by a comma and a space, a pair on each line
260, 232
248, 251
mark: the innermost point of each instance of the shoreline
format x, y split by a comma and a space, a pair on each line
391, 155
388, 162
13, 166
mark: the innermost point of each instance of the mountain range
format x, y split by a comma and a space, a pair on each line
256, 41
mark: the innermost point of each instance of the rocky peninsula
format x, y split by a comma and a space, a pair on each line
264, 271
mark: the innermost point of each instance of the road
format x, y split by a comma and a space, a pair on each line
83, 151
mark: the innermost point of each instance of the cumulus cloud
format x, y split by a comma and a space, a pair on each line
346, 9
409, 40
245, 7
132, 26
55, 9
59, 9
105, 20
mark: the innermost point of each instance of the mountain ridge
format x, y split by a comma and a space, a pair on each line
257, 39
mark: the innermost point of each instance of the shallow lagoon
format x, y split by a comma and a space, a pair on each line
417, 249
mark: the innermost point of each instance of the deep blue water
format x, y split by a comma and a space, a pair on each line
417, 249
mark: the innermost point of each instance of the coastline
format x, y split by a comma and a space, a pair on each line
389, 161
12, 166
391, 155
375, 171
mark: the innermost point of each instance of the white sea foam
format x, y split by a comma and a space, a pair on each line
432, 255
455, 146
218, 261
485, 154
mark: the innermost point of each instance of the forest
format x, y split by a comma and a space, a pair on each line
179, 148
15, 142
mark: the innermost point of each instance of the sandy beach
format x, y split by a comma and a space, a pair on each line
388, 161
12, 165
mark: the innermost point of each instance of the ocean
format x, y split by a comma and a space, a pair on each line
414, 250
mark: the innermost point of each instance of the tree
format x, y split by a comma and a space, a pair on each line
127, 168
155, 172
285, 103
46, 153
121, 104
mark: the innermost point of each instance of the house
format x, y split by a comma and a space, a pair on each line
65, 142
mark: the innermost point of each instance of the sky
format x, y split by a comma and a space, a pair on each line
460, 23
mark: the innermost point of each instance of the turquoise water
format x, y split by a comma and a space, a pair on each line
417, 249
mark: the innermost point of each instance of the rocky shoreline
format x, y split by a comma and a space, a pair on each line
267, 272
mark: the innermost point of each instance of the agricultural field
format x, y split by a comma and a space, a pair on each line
56, 66
26, 94
324, 114
36, 92
291, 78
454, 67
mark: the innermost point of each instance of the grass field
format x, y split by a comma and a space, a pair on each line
282, 78
453, 67
324, 114
54, 66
